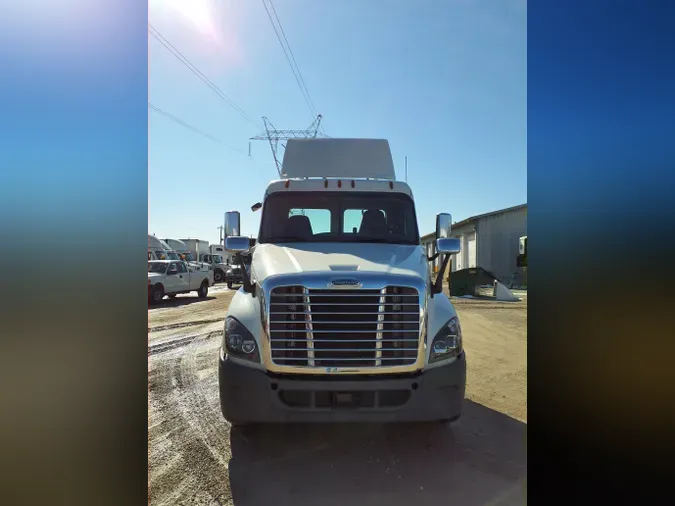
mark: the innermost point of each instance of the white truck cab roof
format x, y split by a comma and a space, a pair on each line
338, 184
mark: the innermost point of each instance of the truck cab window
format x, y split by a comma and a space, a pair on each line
319, 219
181, 267
339, 217
352, 222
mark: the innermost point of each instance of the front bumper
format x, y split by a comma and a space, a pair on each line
252, 395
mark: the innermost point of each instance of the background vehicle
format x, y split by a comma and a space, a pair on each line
185, 254
220, 260
338, 318
171, 277
210, 254
160, 250
234, 275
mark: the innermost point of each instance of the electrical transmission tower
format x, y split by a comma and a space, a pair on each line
273, 135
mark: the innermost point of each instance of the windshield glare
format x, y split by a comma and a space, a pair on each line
157, 267
339, 217
217, 259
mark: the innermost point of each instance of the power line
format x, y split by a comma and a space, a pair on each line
190, 127
293, 64
193, 68
274, 10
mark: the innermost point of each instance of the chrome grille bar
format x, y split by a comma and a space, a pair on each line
310, 332
380, 327
336, 327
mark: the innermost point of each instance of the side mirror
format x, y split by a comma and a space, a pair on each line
443, 225
232, 224
256, 207
240, 245
448, 245
237, 244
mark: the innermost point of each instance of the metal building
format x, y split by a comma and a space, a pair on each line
488, 240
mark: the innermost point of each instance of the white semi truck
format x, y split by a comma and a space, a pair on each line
211, 254
160, 250
339, 318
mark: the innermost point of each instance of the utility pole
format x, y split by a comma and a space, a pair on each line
273, 136
221, 228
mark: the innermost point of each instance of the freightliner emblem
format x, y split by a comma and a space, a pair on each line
347, 283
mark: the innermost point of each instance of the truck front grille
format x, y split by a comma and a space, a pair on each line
344, 328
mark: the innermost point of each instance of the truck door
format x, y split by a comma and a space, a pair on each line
172, 281
183, 277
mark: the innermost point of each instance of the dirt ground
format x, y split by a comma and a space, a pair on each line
194, 457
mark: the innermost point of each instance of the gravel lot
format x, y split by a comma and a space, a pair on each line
194, 457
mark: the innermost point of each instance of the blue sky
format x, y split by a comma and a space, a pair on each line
444, 81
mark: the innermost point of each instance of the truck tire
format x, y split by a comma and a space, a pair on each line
157, 294
203, 290
172, 296
217, 276
229, 285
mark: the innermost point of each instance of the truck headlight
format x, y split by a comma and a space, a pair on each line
239, 342
448, 342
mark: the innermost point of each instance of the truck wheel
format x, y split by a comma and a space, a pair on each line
229, 285
157, 294
203, 290
217, 276
172, 296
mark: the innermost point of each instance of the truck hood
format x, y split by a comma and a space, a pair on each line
273, 259
154, 275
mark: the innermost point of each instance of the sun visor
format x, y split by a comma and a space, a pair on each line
338, 158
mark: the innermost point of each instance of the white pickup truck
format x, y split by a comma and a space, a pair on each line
171, 277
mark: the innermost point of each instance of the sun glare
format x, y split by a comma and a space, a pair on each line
198, 12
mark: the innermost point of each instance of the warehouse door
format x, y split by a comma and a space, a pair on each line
471, 249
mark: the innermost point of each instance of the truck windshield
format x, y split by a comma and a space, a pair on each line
172, 256
339, 217
217, 259
159, 267
187, 256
